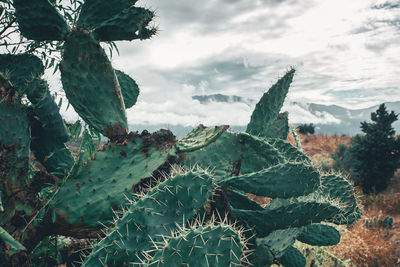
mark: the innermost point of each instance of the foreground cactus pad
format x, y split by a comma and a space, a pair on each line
156, 214
214, 245
119, 169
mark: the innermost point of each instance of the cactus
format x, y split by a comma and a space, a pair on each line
129, 89
133, 177
224, 247
169, 204
39, 20
386, 222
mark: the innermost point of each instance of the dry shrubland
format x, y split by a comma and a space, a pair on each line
360, 245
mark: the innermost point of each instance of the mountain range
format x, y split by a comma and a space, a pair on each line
328, 119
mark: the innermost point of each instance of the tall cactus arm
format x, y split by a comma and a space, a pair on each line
268, 108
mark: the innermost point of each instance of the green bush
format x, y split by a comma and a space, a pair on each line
342, 158
306, 128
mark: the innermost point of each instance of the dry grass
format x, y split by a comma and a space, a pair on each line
364, 246
320, 143
359, 244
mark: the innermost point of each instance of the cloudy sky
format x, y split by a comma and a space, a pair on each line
346, 53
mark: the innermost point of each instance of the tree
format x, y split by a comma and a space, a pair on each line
375, 155
306, 128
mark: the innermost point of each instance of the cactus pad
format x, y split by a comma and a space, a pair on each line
14, 139
278, 241
40, 21
86, 72
290, 215
205, 246
48, 149
293, 258
319, 235
20, 69
129, 89
156, 214
132, 23
232, 154
200, 137
239, 200
95, 12
268, 108
279, 127
104, 179
283, 180
339, 189
46, 110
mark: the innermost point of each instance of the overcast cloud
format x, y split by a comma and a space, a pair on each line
346, 53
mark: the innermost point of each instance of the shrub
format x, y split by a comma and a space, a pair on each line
306, 128
342, 158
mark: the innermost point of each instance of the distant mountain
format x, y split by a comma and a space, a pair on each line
328, 119
339, 120
206, 99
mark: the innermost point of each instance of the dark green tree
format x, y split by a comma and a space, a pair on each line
376, 154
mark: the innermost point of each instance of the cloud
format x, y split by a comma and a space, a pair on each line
345, 52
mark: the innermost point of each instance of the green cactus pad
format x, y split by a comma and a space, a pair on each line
232, 154
278, 241
14, 139
292, 215
39, 20
129, 88
156, 214
104, 179
268, 108
319, 235
261, 256
279, 127
339, 189
287, 150
49, 149
239, 200
283, 180
46, 110
293, 258
132, 23
15, 246
95, 12
205, 246
91, 85
200, 137
20, 69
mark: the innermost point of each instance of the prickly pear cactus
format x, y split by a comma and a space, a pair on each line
152, 184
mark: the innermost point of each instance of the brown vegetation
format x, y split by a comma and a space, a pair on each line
361, 245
